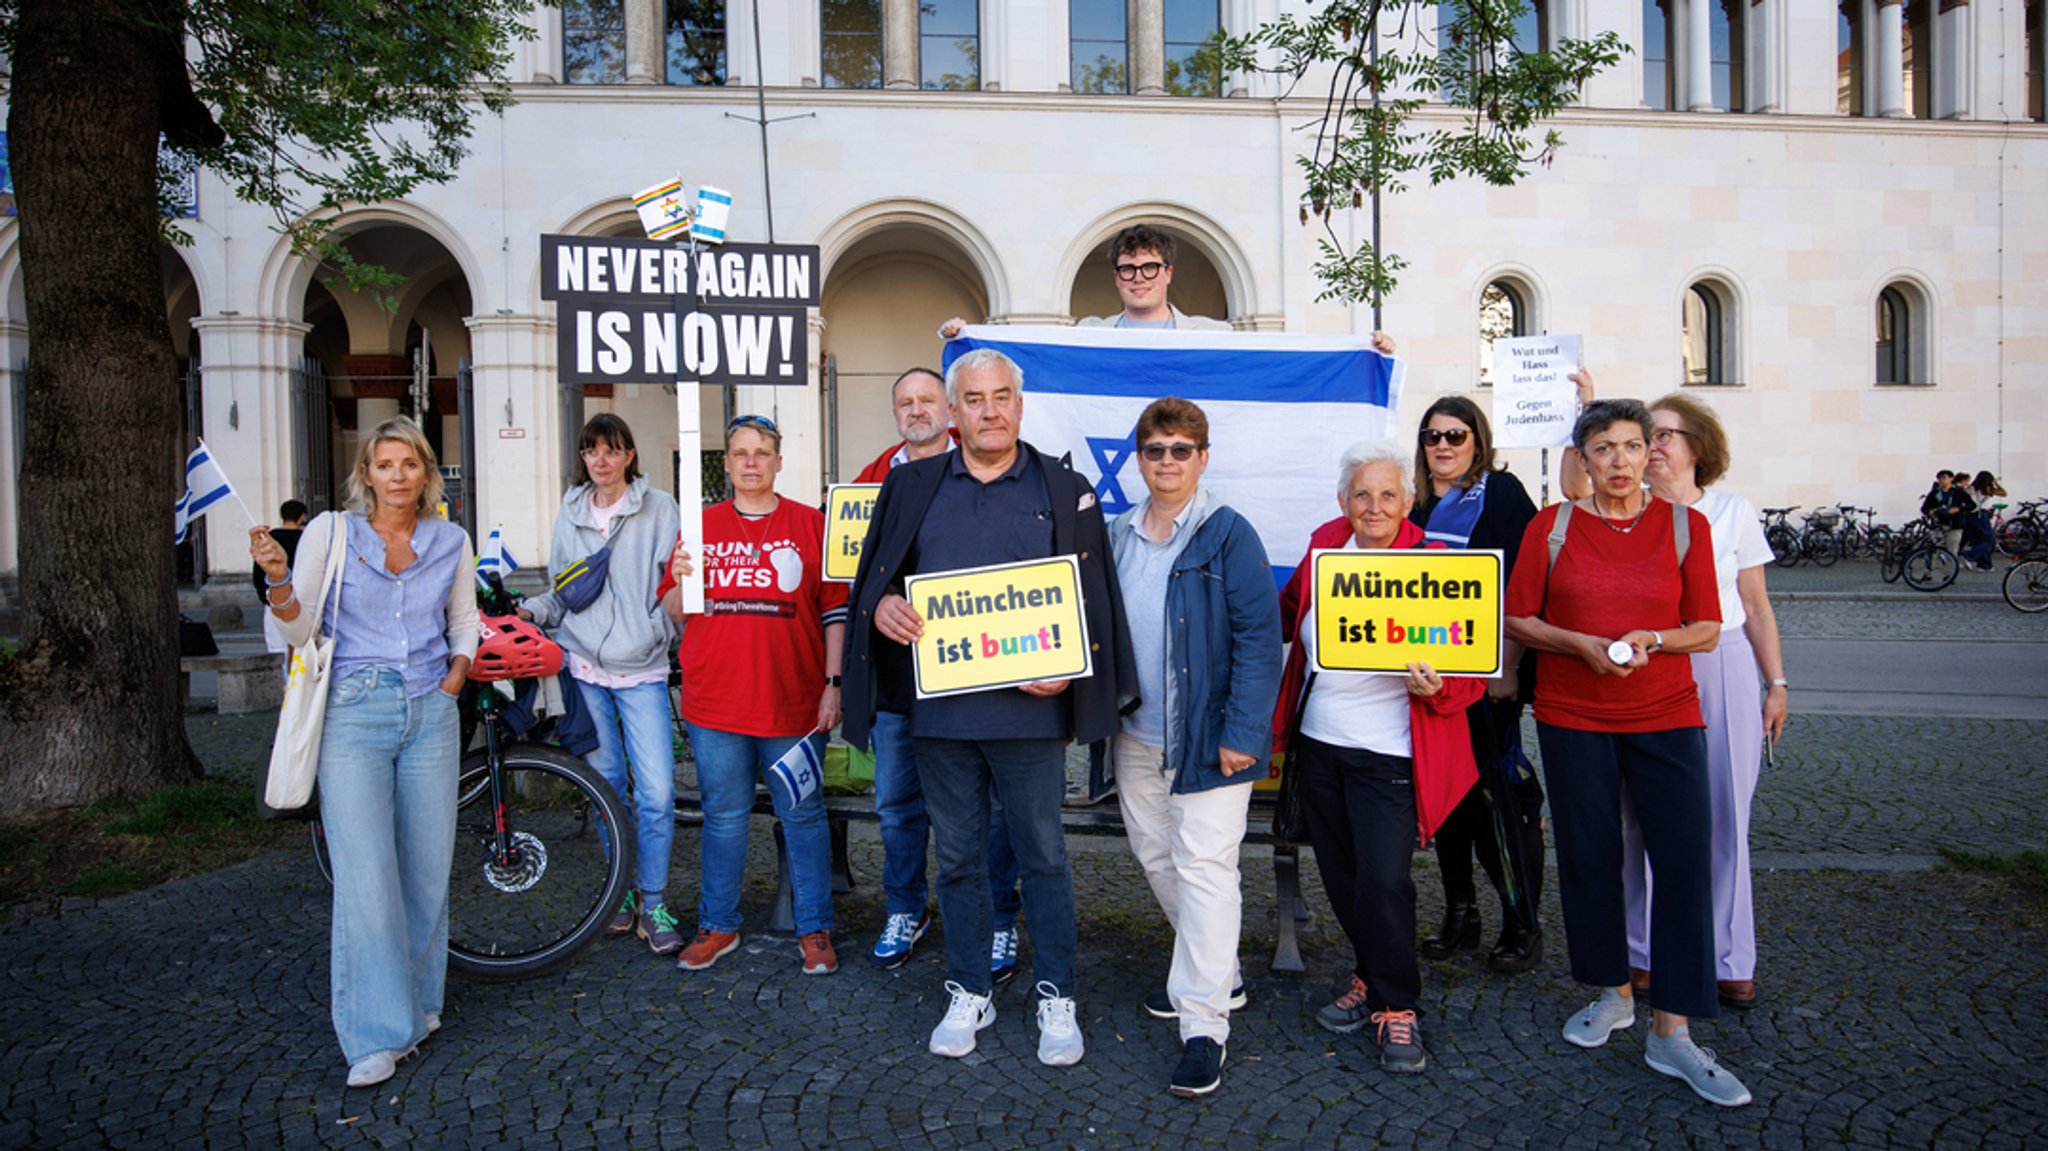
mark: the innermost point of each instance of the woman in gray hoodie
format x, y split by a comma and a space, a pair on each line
616, 649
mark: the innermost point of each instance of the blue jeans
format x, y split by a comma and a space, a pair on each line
387, 805
728, 764
636, 745
906, 829
960, 778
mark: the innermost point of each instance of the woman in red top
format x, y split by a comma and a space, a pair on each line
760, 674
1382, 761
1618, 719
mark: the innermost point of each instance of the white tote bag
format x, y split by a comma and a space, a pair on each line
295, 755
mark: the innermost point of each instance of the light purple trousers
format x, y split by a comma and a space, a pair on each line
1731, 700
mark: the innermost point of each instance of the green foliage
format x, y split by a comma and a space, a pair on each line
348, 101
110, 877
1471, 60
178, 809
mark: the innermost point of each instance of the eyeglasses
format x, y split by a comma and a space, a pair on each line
1456, 437
1182, 451
751, 422
1663, 436
1130, 272
598, 453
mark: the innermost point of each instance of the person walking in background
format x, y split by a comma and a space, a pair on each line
615, 640
405, 629
291, 522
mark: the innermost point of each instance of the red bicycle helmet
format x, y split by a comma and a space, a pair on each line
512, 648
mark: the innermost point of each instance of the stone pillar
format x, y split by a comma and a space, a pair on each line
13, 349
517, 415
1891, 63
546, 45
1145, 48
1698, 73
899, 46
646, 43
245, 367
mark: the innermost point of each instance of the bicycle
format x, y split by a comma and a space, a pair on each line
543, 847
1817, 541
1783, 538
2025, 531
1860, 539
2026, 585
1930, 567
1915, 535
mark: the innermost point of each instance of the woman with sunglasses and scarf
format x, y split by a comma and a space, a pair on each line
760, 674
1464, 500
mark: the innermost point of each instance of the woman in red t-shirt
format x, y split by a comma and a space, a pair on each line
760, 674
1618, 719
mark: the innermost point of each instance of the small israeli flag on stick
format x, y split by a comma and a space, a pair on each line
205, 485
495, 557
799, 772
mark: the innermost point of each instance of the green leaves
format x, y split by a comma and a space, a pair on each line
1483, 56
323, 104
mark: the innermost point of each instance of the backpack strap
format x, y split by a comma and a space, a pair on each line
1557, 529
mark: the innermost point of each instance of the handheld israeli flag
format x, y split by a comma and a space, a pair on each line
1282, 409
205, 485
799, 772
494, 556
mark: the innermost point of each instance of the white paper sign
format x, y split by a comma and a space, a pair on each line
690, 490
1533, 403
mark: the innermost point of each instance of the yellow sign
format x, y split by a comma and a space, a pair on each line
847, 508
1379, 611
999, 626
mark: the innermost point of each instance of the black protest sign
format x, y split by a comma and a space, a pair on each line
641, 311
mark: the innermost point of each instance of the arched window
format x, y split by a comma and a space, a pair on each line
1659, 79
1503, 314
1707, 335
949, 45
1849, 58
694, 31
1099, 46
1532, 28
1903, 328
1724, 45
594, 41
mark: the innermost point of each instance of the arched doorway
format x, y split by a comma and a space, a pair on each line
368, 359
1197, 286
883, 301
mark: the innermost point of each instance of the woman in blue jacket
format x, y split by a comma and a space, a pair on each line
1205, 629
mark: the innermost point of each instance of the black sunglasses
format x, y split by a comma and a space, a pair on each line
1431, 437
1181, 451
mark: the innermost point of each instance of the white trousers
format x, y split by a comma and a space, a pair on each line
1188, 846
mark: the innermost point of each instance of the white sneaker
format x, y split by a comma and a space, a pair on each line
1608, 1014
1059, 1034
965, 1015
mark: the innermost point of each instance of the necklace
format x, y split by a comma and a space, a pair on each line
753, 546
1631, 524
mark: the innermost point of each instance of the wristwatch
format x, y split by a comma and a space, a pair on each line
1779, 682
831, 681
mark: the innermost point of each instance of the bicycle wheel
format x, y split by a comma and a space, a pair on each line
1784, 545
1931, 569
1821, 549
2017, 538
572, 857
1878, 542
2026, 586
1893, 565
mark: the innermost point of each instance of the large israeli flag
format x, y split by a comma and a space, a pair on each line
1282, 409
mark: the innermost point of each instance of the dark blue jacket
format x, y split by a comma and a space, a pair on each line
1078, 530
1223, 652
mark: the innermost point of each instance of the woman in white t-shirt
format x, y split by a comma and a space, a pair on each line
1688, 453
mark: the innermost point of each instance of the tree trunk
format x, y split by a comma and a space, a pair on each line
89, 706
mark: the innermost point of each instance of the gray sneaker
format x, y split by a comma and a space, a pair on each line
1681, 1058
1608, 1014
1348, 1012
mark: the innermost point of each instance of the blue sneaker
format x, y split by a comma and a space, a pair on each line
1002, 960
900, 933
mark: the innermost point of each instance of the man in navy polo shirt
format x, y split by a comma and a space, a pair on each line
993, 500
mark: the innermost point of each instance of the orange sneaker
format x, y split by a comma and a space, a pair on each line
708, 948
819, 958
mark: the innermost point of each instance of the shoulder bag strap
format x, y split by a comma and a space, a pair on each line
330, 580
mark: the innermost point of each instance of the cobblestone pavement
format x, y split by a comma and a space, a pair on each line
1903, 1008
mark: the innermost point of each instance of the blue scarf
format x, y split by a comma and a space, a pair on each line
1452, 519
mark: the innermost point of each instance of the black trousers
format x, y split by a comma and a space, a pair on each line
1470, 830
1665, 773
1361, 821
